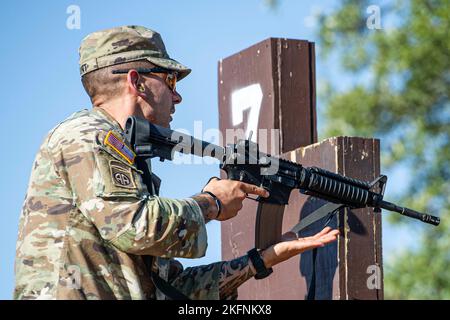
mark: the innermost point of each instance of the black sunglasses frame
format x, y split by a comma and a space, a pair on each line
144, 70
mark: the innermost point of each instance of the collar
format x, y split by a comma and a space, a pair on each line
104, 114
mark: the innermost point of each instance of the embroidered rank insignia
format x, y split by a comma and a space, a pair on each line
120, 147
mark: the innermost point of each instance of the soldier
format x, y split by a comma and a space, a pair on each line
90, 228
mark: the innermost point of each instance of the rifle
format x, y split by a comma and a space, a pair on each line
243, 162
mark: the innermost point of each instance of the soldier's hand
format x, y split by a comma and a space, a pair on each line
231, 194
291, 246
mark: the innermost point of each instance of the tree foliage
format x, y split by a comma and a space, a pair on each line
400, 82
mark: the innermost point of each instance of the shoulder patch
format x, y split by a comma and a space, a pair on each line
121, 176
120, 147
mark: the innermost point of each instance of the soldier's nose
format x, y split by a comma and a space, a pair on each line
176, 97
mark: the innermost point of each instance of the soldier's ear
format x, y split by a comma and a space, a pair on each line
133, 82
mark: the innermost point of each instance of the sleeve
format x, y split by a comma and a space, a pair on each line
109, 191
214, 281
199, 282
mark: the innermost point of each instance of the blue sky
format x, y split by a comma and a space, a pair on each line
41, 85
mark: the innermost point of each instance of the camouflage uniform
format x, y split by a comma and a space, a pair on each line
88, 218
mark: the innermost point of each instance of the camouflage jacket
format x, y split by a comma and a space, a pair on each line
88, 220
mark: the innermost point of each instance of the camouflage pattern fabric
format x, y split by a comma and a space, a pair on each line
88, 219
124, 44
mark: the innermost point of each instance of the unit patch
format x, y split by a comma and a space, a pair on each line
121, 176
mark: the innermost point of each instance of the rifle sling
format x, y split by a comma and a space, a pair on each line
162, 285
316, 215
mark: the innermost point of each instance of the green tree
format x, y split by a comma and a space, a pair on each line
400, 82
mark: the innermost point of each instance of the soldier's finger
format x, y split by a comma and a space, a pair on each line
323, 232
328, 239
332, 233
252, 189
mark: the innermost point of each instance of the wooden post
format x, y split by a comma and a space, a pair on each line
271, 85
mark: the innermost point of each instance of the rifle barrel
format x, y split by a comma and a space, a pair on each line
410, 213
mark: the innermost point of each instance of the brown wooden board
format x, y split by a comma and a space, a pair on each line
293, 69
270, 63
342, 267
359, 158
284, 71
359, 245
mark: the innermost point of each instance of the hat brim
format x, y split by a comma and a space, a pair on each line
170, 64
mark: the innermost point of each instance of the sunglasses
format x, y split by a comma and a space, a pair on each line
171, 76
